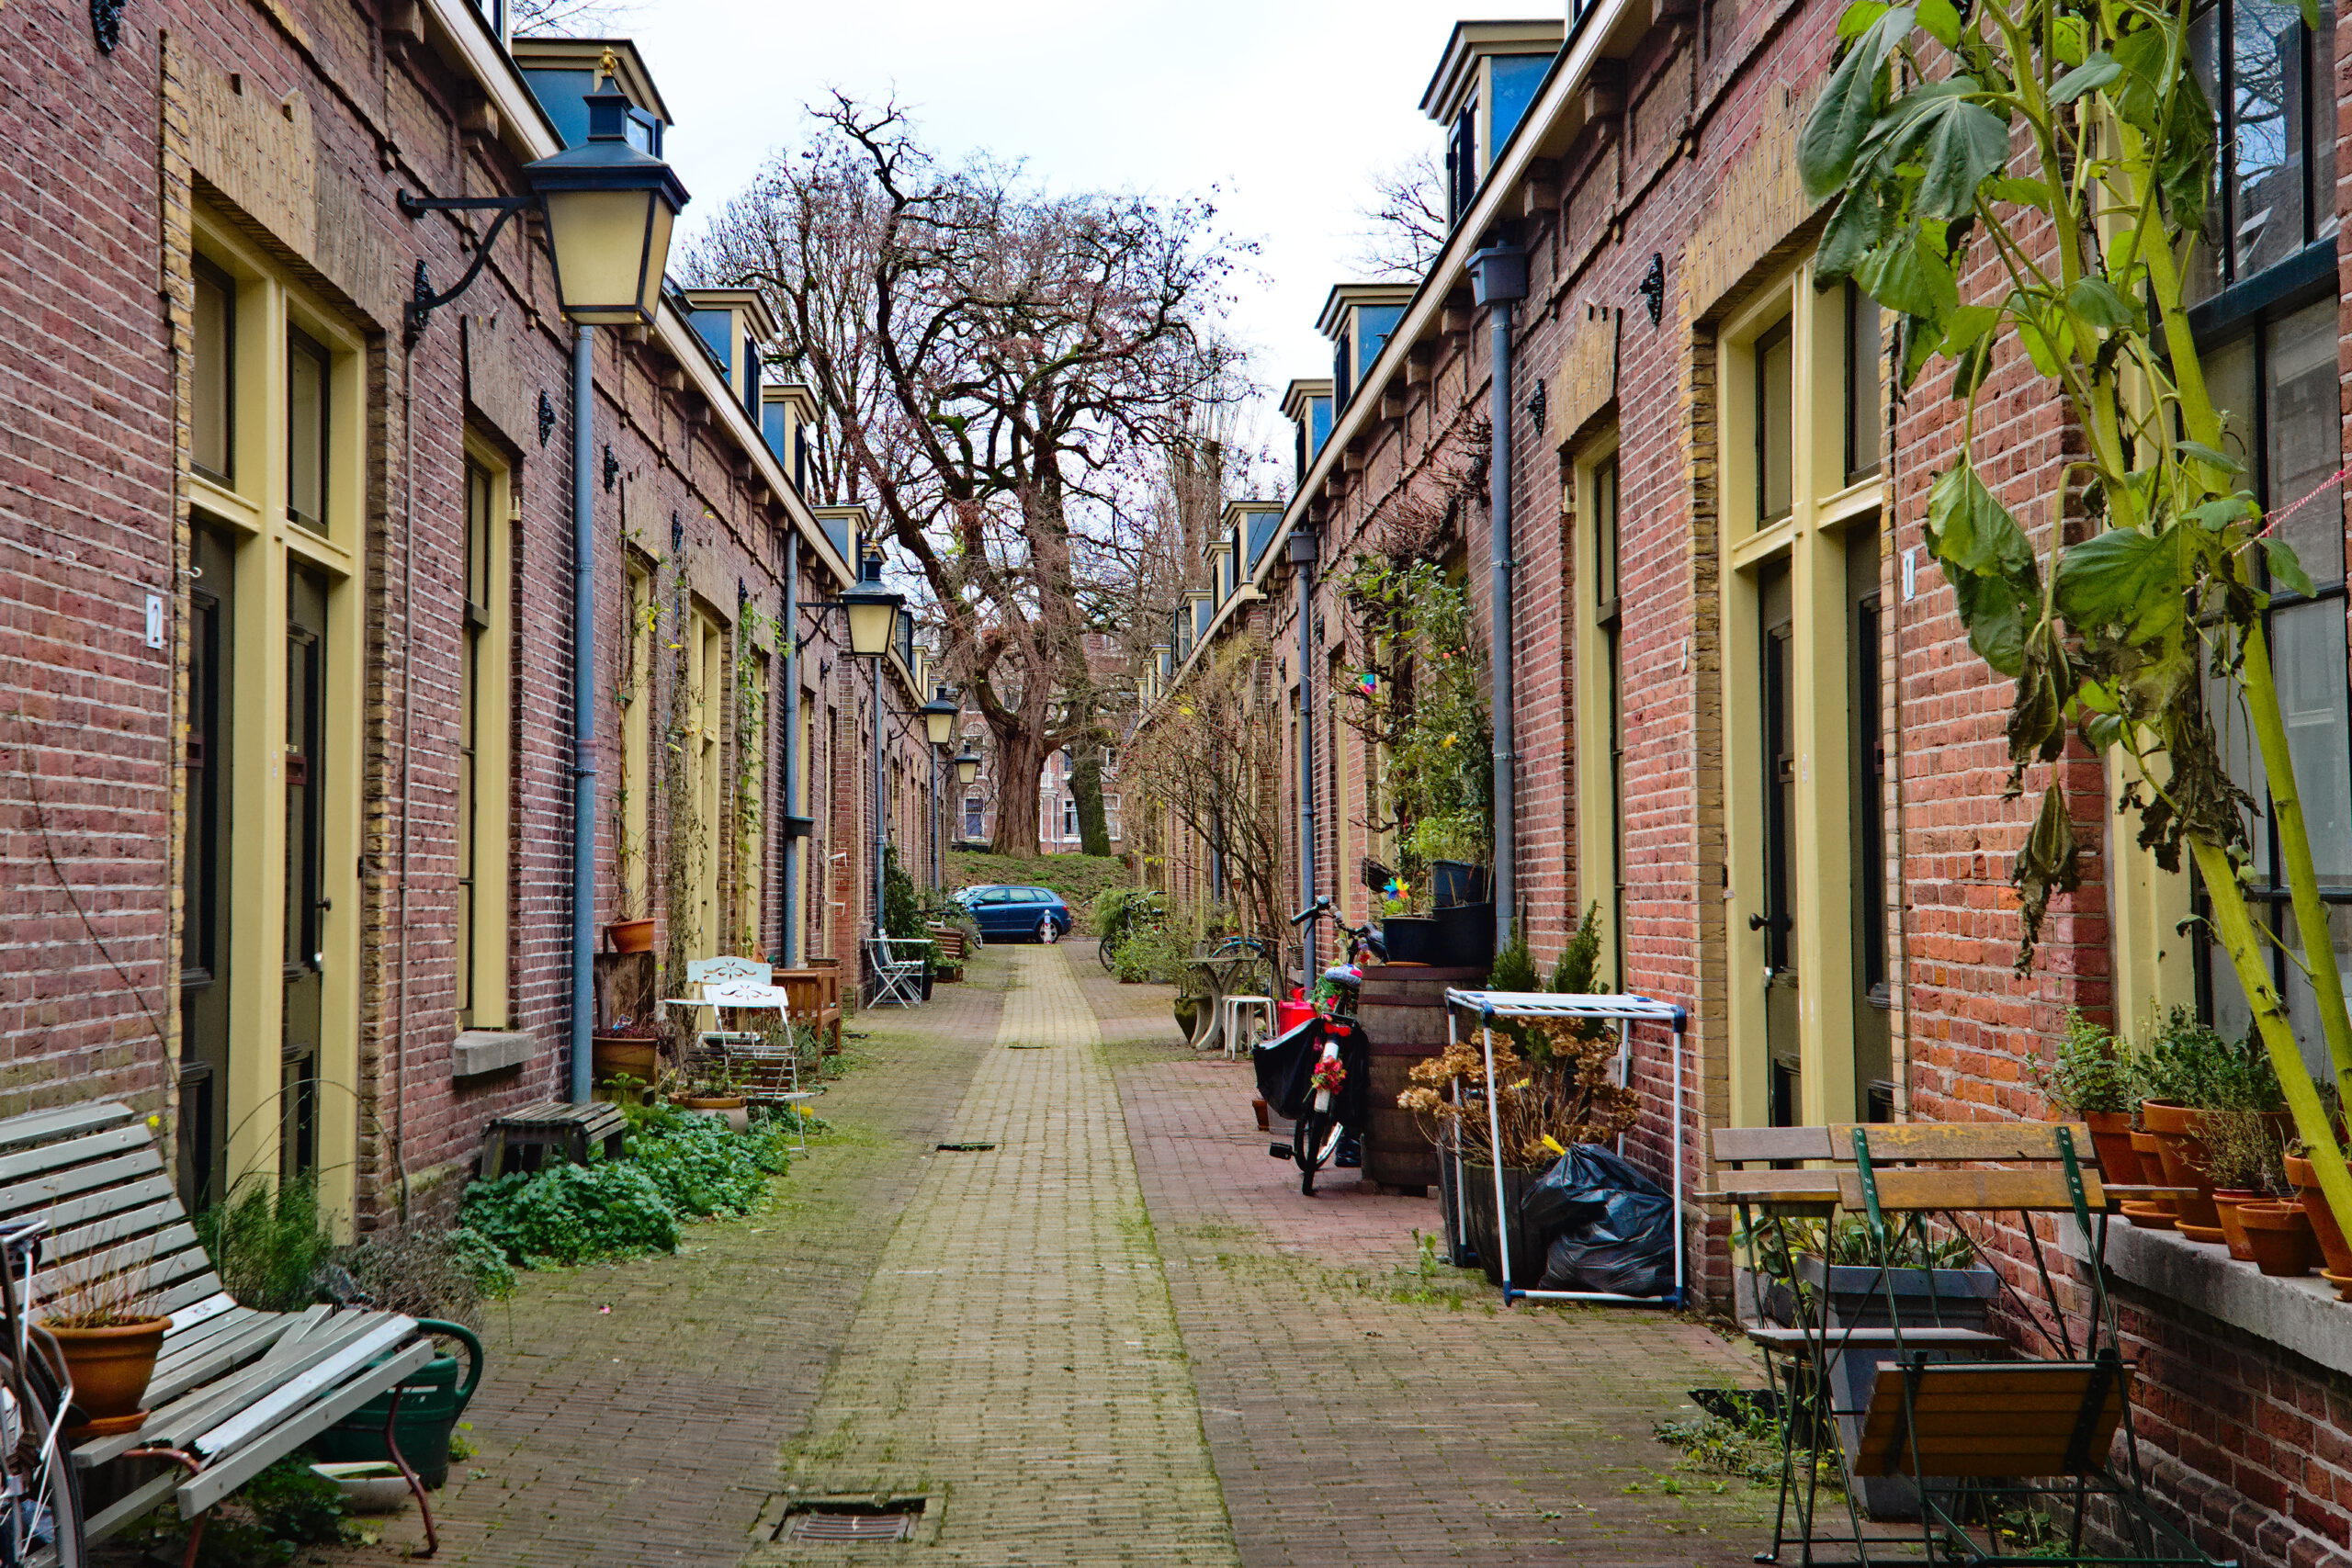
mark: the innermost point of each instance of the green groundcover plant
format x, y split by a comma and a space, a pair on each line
2070, 141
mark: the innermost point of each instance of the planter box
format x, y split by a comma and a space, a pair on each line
1412, 939
1530, 1247
1944, 1298
1455, 881
1467, 937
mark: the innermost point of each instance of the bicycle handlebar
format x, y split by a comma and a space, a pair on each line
1320, 906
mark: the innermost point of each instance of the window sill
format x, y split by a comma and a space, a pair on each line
479, 1051
2299, 1314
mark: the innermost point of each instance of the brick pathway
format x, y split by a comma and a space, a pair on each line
1014, 1357
1370, 1404
649, 1435
1084, 1347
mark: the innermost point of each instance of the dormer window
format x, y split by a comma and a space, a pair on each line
1307, 405
562, 72
1486, 81
1359, 318
732, 323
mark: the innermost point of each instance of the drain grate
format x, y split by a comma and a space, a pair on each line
842, 1519
965, 1148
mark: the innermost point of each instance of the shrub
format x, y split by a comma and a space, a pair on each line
444, 1273
1514, 968
267, 1244
2188, 1063
701, 1168
1154, 955
570, 1213
2088, 1072
265, 1524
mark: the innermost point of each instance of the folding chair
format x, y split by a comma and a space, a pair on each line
896, 966
767, 1073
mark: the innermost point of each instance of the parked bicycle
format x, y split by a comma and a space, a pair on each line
1133, 918
40, 1497
1317, 1073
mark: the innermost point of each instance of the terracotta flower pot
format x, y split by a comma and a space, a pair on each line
2119, 1162
2152, 1172
630, 936
2226, 1200
710, 1101
2337, 1251
2182, 1150
110, 1368
2280, 1236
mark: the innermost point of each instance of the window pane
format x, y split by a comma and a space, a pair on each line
1775, 444
2308, 642
307, 421
2302, 1005
209, 400
2203, 275
2305, 436
2265, 163
2244, 764
2229, 381
1604, 532
2318, 88
1861, 384
2230, 1014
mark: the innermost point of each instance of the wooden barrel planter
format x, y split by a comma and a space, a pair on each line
1402, 1008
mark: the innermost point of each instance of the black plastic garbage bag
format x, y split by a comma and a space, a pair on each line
1285, 1066
1611, 1227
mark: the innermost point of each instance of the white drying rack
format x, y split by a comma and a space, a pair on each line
1626, 1011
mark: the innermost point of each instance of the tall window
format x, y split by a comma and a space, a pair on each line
483, 707
1775, 425
310, 427
1863, 385
1069, 817
212, 405
749, 833
706, 697
1111, 817
1609, 617
974, 817
1461, 169
634, 807
2266, 71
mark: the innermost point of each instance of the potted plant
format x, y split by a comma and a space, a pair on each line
631, 1047
2090, 1077
2185, 1072
2157, 1213
630, 936
2243, 1161
712, 1088
2304, 1181
107, 1327
2279, 1237
1551, 1092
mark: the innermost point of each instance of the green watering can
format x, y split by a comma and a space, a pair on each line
431, 1402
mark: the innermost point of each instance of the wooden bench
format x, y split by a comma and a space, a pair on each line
572, 1130
235, 1390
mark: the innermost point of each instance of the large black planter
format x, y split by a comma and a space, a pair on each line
1412, 939
1466, 936
1455, 881
1857, 1298
1528, 1245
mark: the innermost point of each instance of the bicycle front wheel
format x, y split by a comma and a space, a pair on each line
1314, 1137
1106, 949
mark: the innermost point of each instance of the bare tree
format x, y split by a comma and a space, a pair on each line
568, 19
998, 365
1212, 757
1404, 223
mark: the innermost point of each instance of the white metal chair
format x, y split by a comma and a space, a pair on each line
769, 1074
1254, 1013
898, 969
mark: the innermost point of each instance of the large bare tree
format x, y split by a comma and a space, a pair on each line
998, 365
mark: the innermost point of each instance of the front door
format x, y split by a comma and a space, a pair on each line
1778, 919
204, 874
305, 958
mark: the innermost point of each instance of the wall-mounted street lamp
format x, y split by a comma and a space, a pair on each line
608, 208
939, 716
968, 766
873, 614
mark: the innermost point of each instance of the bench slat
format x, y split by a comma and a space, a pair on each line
234, 1345
208, 1406
143, 1501
42, 1158
207, 1487
1873, 1338
150, 1222
63, 1121
382, 1335
1906, 1190
109, 1200
1962, 1141
43, 1191
1736, 1143
162, 1253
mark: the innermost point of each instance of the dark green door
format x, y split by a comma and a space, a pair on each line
204, 874
305, 958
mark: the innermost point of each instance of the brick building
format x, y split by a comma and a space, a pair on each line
1748, 725
286, 672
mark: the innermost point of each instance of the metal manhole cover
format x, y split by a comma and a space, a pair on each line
965, 1148
851, 1521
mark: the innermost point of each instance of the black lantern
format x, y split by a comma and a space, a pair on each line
939, 716
872, 610
610, 212
968, 766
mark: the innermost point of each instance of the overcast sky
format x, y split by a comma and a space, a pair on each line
1283, 109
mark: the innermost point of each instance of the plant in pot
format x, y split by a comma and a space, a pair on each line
2336, 1253
108, 1323
2243, 1160
630, 1047
1555, 1087
2089, 1076
2186, 1071
709, 1087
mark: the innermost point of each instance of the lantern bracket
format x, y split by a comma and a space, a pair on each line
422, 300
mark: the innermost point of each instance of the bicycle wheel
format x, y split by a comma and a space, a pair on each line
1313, 1137
1106, 949
1268, 968
52, 1514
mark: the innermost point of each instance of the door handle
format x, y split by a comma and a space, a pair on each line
1767, 922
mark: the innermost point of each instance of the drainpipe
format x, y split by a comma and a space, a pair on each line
788, 944
1301, 555
881, 804
584, 714
1499, 279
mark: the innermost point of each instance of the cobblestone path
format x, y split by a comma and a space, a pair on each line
1014, 1357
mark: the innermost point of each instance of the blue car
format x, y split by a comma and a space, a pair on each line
1005, 913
